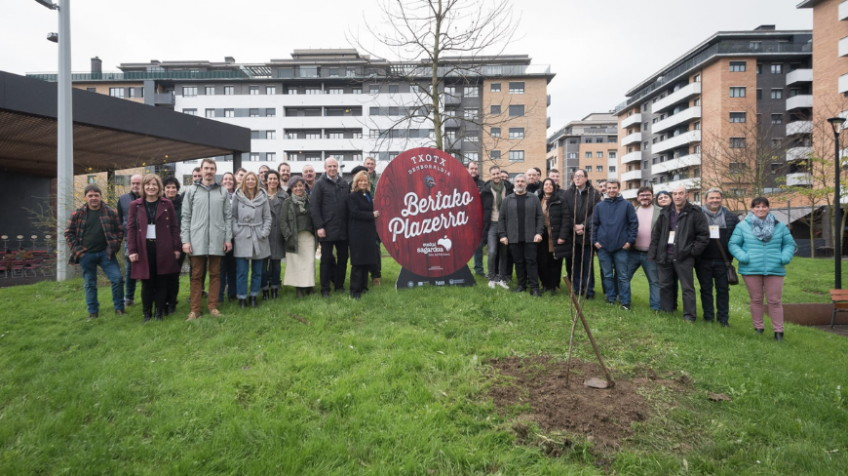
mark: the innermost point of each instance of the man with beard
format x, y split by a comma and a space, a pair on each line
123, 212
520, 226
492, 196
646, 214
614, 227
474, 172
579, 204
711, 266
284, 169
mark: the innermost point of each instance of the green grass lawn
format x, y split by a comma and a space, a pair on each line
396, 383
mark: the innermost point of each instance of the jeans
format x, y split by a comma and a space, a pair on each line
682, 269
579, 269
333, 268
478, 258
129, 294
709, 271
526, 269
640, 258
228, 276
242, 265
271, 274
497, 253
615, 265
109, 264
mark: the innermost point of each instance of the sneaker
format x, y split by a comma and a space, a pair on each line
626, 307
93, 315
119, 312
128, 302
503, 284
491, 285
215, 313
192, 316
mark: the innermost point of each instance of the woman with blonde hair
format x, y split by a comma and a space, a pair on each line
361, 232
153, 244
251, 228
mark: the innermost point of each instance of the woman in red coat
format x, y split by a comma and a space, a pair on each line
153, 242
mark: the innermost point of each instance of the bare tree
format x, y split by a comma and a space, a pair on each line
435, 41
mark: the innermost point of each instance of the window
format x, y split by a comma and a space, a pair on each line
254, 90
471, 92
229, 113
737, 66
356, 91
209, 90
587, 155
495, 155
516, 132
312, 135
335, 91
777, 94
759, 94
572, 155
254, 157
495, 87
189, 90
738, 117
190, 112
335, 135
516, 156
599, 155
737, 92
777, 68
516, 110
313, 91
394, 89
516, 87
495, 132
495, 110
612, 169
270, 90
696, 78
599, 168
374, 89
210, 113
271, 156
91, 90
472, 156
777, 118
737, 142
270, 134
253, 112
270, 112
471, 113
229, 90
118, 92
471, 138
612, 154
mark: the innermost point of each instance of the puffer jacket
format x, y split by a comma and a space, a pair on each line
757, 257
691, 236
251, 226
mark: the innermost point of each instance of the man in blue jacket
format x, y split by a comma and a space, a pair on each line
614, 227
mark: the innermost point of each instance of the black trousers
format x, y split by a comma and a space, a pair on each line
683, 270
359, 279
155, 289
376, 268
333, 267
550, 268
526, 268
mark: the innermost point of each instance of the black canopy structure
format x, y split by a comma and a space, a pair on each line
109, 133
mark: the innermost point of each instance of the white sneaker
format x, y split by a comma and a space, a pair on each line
503, 284
491, 285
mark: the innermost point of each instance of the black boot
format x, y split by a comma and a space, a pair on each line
253, 302
758, 331
147, 314
275, 293
160, 314
298, 293
265, 294
242, 303
778, 336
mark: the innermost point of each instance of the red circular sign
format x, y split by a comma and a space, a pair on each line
431, 217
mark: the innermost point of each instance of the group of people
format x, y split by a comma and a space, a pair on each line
244, 226
236, 231
535, 226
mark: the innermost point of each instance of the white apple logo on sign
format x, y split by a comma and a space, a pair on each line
446, 242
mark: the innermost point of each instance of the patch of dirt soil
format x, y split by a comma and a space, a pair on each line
603, 416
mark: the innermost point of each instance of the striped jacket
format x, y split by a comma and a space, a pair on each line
111, 227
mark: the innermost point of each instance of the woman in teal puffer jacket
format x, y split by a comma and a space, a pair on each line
763, 246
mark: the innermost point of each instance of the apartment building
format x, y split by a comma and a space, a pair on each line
734, 112
590, 144
340, 103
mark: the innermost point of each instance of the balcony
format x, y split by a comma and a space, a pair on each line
676, 141
678, 163
635, 156
634, 138
798, 153
799, 127
166, 99
631, 175
799, 76
843, 11
800, 179
631, 120
687, 183
629, 194
843, 47
683, 93
799, 101
843, 84
679, 118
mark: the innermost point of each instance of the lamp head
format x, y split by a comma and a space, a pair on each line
836, 123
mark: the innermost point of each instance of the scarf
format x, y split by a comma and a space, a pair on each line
716, 218
497, 190
763, 229
300, 202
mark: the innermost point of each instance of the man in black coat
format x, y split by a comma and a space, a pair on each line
711, 266
679, 236
328, 205
579, 204
520, 227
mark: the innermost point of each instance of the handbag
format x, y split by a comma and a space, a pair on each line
732, 277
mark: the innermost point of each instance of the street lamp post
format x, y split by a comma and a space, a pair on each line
836, 123
65, 135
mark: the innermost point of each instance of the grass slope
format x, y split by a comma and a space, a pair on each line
396, 384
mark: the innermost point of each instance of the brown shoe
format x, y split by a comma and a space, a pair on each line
376, 282
192, 316
215, 313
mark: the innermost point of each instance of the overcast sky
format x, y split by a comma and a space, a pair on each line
598, 49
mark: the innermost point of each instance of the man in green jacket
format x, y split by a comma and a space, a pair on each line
207, 233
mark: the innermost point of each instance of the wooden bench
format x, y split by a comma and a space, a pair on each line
839, 297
